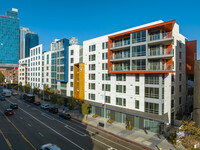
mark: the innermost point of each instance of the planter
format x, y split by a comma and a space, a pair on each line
129, 127
95, 115
110, 121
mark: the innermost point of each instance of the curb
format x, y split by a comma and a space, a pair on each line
114, 135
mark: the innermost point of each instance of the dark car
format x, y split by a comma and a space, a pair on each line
65, 116
37, 103
9, 112
2, 97
22, 96
53, 110
14, 106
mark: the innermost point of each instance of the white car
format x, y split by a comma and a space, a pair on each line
44, 106
50, 146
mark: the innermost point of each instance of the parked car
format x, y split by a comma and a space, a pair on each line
9, 112
22, 96
53, 110
37, 103
65, 116
14, 106
44, 106
50, 146
2, 98
14, 93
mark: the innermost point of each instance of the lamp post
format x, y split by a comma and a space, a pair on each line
43, 94
104, 98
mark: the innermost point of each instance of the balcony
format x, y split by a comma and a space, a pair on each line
120, 68
135, 68
138, 54
165, 67
119, 57
162, 52
120, 44
160, 36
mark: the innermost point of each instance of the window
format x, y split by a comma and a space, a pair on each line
72, 60
180, 88
121, 88
121, 101
179, 100
137, 77
47, 68
92, 48
180, 55
92, 86
152, 92
151, 108
139, 36
104, 66
172, 103
172, 90
137, 90
104, 56
71, 93
92, 57
105, 45
180, 66
151, 78
91, 96
163, 93
173, 78
106, 87
71, 76
120, 77
48, 59
91, 76
107, 99
180, 77
92, 67
71, 68
139, 51
71, 84
72, 52
180, 44
137, 104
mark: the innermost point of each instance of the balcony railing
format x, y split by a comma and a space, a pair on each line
138, 40
160, 36
167, 51
120, 44
120, 68
160, 67
139, 67
136, 54
124, 56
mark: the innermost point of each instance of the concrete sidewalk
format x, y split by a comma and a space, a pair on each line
150, 140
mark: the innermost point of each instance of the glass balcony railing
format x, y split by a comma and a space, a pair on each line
120, 68
139, 67
168, 51
136, 54
160, 67
120, 44
160, 36
116, 57
138, 40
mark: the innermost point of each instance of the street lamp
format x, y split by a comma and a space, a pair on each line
104, 102
43, 93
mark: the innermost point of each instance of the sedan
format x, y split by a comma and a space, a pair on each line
2, 97
53, 110
14, 93
9, 112
65, 116
44, 106
14, 106
37, 103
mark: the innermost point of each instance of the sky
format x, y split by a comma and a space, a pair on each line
87, 19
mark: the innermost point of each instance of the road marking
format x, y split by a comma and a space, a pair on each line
7, 141
19, 131
47, 116
29, 125
76, 131
52, 129
40, 134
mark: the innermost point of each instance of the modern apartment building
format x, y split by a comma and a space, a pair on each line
9, 37
138, 73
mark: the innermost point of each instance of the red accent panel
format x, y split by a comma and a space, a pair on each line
191, 56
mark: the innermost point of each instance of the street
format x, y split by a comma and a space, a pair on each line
31, 127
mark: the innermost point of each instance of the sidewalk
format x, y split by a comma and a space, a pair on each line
150, 140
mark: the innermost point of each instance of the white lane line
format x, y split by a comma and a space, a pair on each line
29, 125
47, 116
40, 134
52, 129
91, 132
76, 131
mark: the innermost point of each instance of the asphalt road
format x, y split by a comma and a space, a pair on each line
30, 127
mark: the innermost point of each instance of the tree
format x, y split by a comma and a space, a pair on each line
60, 101
71, 104
191, 134
2, 78
36, 91
21, 88
27, 88
129, 126
85, 109
54, 98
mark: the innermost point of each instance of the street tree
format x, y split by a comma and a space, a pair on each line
54, 98
21, 88
2, 78
85, 109
71, 104
36, 91
191, 134
61, 101
27, 88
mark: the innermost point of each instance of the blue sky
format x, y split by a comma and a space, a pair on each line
87, 19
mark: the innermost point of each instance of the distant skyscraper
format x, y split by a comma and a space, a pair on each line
23, 32
31, 40
9, 37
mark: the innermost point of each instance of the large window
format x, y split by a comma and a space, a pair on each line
92, 67
106, 77
139, 51
107, 99
120, 77
91, 96
92, 86
106, 87
121, 101
92, 48
151, 108
152, 92
105, 45
151, 78
92, 57
139, 64
121, 88
139, 36
91, 76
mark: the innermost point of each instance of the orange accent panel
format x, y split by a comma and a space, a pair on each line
191, 56
141, 72
145, 28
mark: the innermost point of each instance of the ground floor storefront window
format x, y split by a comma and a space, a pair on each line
151, 125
